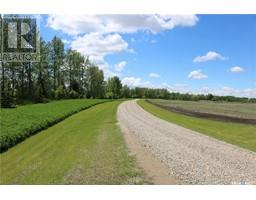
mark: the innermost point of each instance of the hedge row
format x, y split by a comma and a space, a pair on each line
17, 124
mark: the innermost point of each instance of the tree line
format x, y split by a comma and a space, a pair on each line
63, 74
60, 74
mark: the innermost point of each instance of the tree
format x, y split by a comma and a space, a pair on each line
57, 53
42, 82
94, 82
76, 71
114, 87
69, 74
8, 99
209, 97
125, 92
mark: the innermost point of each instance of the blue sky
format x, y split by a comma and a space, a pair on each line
193, 53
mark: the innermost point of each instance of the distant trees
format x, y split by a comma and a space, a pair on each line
209, 97
139, 92
64, 74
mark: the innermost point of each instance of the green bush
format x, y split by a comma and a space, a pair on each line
73, 94
60, 93
21, 122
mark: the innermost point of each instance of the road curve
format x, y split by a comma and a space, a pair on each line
191, 157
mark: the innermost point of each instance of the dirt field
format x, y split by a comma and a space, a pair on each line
190, 157
230, 112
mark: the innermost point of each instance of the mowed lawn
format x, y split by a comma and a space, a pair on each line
242, 135
86, 148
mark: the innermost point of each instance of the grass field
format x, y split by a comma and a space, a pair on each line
86, 148
21, 122
238, 134
243, 110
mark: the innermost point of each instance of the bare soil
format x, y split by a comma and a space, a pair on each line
156, 171
218, 117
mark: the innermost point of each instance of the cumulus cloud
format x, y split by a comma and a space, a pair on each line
97, 36
236, 69
66, 41
154, 75
96, 46
135, 82
249, 92
225, 91
211, 55
120, 66
79, 24
182, 88
221, 91
197, 74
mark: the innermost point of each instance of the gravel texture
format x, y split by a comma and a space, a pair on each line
191, 157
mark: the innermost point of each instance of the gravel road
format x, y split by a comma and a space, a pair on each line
191, 157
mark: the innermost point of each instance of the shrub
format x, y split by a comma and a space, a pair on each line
21, 122
60, 93
73, 94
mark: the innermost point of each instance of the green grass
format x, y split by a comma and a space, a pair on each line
238, 134
16, 124
86, 148
243, 110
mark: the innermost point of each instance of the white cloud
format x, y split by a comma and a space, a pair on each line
154, 75
236, 69
183, 20
135, 82
222, 91
225, 91
97, 46
211, 55
99, 35
80, 24
66, 41
120, 66
249, 92
153, 41
197, 74
182, 88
